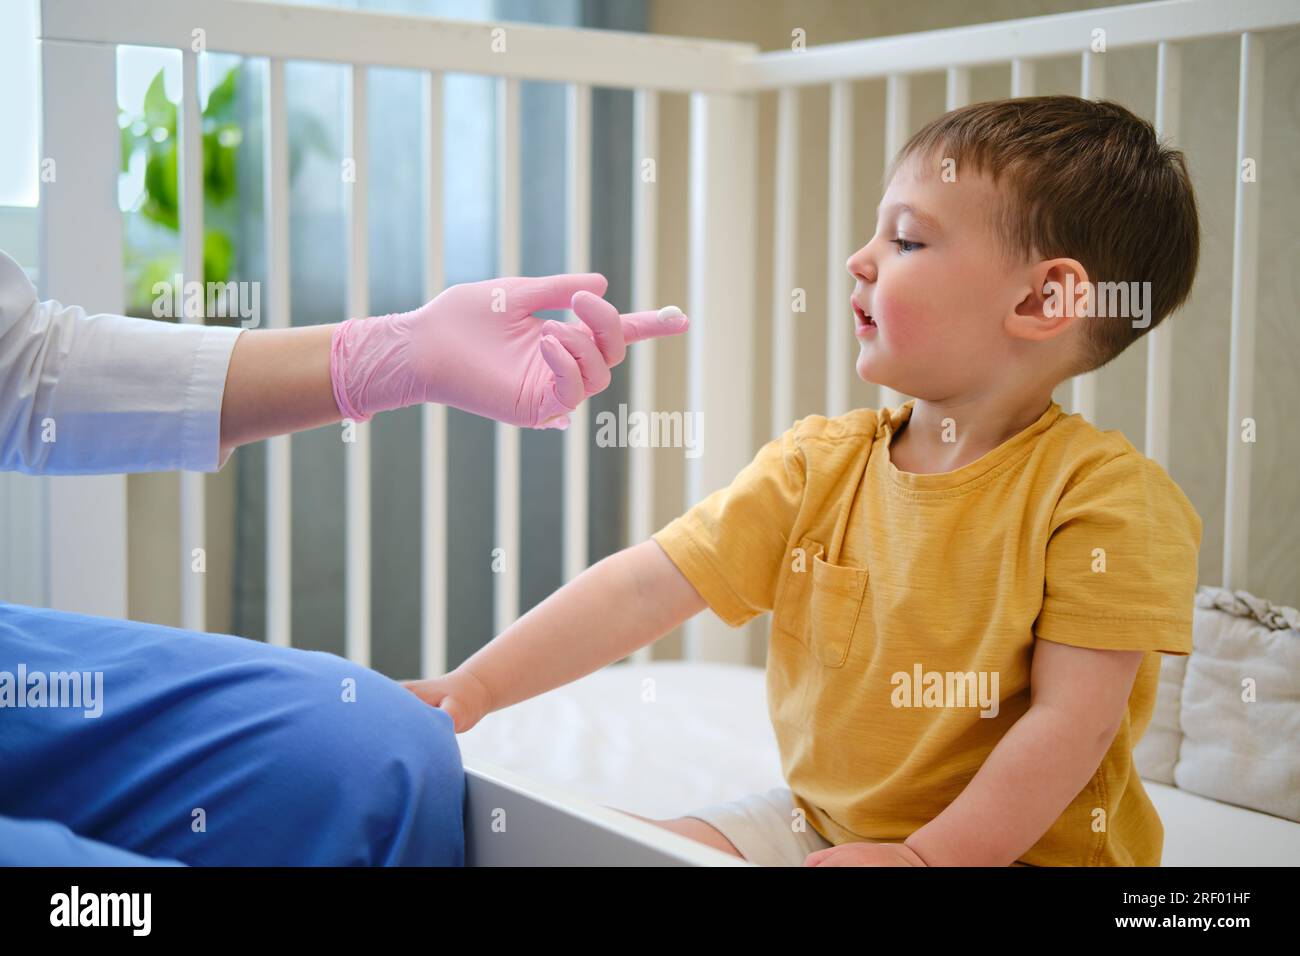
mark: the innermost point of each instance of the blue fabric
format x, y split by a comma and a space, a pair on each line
46, 843
217, 750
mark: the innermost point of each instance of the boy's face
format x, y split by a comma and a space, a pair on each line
935, 284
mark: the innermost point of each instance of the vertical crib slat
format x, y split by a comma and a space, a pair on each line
1092, 75
641, 388
958, 87
1245, 267
578, 259
190, 183
1091, 87
784, 229
839, 246
358, 306
506, 592
433, 416
83, 564
1022, 77
1160, 342
279, 507
898, 103
723, 149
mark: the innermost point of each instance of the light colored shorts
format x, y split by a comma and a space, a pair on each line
761, 826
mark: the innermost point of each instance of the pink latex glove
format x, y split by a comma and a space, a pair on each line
478, 347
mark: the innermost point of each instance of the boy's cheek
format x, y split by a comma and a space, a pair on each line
903, 323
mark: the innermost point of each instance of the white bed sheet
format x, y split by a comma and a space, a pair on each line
663, 738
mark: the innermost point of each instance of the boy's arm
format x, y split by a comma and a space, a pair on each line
1078, 699
611, 609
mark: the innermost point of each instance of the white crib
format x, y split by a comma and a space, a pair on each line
84, 548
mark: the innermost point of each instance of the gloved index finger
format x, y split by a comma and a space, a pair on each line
653, 324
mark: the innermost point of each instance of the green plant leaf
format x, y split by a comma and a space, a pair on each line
223, 99
128, 147
220, 163
161, 193
221, 139
158, 110
218, 253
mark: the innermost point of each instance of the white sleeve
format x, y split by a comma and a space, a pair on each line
84, 394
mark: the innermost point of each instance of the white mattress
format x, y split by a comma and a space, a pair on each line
663, 738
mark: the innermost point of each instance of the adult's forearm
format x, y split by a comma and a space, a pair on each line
1024, 786
601, 616
278, 382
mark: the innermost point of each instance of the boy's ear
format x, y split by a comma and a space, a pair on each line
1053, 299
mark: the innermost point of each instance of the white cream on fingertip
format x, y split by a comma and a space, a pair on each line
670, 313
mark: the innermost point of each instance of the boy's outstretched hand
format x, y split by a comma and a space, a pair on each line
460, 694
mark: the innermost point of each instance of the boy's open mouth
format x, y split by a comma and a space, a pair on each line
862, 320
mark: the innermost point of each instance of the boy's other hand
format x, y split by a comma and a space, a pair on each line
865, 854
460, 694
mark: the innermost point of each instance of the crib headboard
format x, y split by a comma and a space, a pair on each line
81, 247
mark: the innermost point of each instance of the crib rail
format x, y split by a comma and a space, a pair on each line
80, 224
367, 38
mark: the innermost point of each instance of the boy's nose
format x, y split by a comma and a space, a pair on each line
860, 265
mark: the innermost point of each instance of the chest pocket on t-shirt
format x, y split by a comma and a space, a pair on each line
821, 603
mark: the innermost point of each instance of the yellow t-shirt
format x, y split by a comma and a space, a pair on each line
883, 583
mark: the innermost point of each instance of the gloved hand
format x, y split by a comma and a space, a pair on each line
478, 347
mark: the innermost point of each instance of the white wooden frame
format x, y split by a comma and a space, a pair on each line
83, 551
511, 820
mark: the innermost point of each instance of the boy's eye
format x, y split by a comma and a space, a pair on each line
901, 243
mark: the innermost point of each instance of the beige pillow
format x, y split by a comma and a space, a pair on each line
1157, 751
1239, 707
